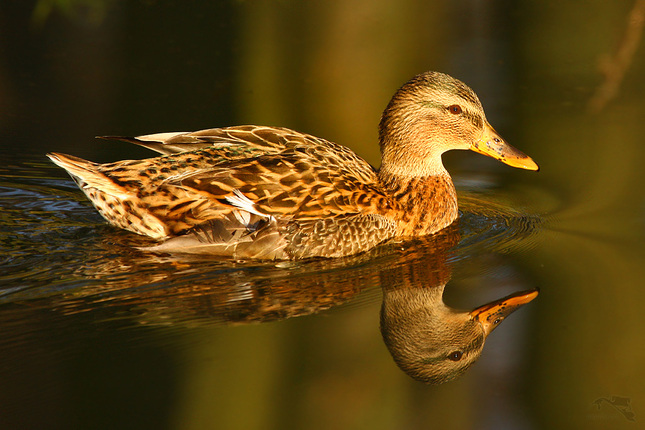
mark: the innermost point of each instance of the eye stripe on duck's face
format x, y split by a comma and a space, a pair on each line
466, 111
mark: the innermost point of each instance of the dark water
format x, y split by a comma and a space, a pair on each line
97, 334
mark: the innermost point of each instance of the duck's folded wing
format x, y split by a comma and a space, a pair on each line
288, 187
246, 140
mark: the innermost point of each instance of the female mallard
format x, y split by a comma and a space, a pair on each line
274, 193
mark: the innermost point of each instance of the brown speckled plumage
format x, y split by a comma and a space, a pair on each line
274, 193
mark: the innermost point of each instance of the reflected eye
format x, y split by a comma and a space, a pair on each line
455, 355
454, 109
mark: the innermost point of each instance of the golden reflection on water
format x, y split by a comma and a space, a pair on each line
430, 341
217, 301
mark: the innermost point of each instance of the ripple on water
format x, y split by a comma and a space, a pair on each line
486, 225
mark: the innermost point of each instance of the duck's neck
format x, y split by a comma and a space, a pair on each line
427, 204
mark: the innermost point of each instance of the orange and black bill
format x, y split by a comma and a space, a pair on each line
492, 144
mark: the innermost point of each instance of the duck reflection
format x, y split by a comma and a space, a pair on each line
429, 340
432, 342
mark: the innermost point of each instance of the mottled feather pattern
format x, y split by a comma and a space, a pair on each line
309, 184
297, 177
426, 204
336, 237
274, 193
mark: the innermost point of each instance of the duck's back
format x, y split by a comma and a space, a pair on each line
249, 192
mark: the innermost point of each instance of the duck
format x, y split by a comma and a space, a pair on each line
272, 193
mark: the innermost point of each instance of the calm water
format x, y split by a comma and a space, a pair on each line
96, 334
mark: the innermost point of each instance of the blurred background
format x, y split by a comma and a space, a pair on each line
561, 80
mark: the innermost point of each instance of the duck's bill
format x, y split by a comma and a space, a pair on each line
492, 144
492, 314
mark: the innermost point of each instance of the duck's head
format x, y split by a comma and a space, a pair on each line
434, 343
434, 113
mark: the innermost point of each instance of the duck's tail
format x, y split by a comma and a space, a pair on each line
87, 174
113, 201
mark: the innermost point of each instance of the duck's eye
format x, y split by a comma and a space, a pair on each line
455, 355
454, 109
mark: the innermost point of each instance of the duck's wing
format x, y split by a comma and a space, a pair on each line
245, 140
304, 180
307, 199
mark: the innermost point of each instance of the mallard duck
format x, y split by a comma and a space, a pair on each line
255, 192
